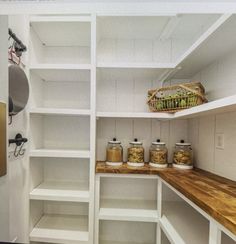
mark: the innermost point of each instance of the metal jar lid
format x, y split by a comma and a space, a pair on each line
158, 142
182, 143
114, 141
136, 142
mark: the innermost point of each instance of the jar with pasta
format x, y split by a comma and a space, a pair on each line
158, 154
183, 155
114, 155
136, 153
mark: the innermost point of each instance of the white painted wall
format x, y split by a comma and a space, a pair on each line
18, 168
219, 80
4, 187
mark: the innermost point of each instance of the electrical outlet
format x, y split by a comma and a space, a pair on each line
220, 141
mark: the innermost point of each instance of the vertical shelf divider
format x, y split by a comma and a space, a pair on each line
92, 127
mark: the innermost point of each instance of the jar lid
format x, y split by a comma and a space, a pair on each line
158, 142
136, 142
182, 143
114, 141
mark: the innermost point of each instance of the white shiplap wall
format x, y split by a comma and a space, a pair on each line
219, 80
146, 130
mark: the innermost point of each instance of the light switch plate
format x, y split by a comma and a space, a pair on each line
220, 141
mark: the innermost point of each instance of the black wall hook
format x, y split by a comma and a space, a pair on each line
19, 141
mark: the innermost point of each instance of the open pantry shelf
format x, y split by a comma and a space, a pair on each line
136, 65
59, 153
222, 105
132, 232
208, 48
64, 89
161, 116
54, 66
56, 41
60, 229
58, 19
128, 210
183, 223
59, 111
121, 38
61, 191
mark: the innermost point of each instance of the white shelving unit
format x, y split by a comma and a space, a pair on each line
88, 67
62, 121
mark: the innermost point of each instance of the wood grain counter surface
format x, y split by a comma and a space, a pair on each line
214, 194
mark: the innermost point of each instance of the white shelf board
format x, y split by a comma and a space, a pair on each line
60, 66
45, 18
137, 65
150, 115
208, 47
128, 210
223, 105
48, 73
61, 229
59, 111
59, 153
182, 224
61, 191
226, 104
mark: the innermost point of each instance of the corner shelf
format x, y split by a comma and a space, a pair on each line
60, 111
58, 153
60, 229
60, 191
148, 115
137, 65
226, 104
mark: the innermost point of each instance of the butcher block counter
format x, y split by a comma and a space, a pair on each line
213, 194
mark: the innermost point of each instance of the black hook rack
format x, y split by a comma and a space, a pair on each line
19, 141
18, 44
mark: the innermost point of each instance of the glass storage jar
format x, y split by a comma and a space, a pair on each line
136, 153
158, 154
114, 154
183, 155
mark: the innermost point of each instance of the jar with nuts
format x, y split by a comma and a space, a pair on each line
114, 153
158, 154
183, 155
136, 153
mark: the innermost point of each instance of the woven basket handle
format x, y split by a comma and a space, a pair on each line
153, 94
193, 91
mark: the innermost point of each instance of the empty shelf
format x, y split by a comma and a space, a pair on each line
57, 153
61, 191
183, 224
59, 111
128, 210
61, 229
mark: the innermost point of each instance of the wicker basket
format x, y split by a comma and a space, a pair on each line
176, 97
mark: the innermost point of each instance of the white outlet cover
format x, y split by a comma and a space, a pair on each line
219, 141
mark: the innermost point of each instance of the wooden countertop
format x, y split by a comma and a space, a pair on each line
214, 194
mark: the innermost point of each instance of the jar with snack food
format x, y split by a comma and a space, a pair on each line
183, 155
158, 154
114, 155
136, 153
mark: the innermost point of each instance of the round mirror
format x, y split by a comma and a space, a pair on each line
18, 89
